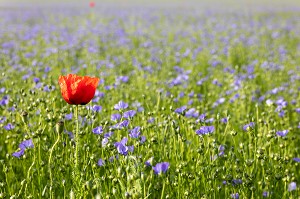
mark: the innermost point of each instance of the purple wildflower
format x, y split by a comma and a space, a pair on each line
109, 134
115, 117
281, 103
2, 119
296, 159
104, 142
131, 148
121, 105
48, 88
70, 134
221, 150
135, 132
210, 120
69, 116
202, 117
122, 149
292, 186
161, 167
19, 153
36, 80
143, 139
121, 146
192, 113
123, 79
140, 109
97, 108
205, 130
123, 124
248, 126
98, 130
149, 162
180, 110
101, 162
26, 144
282, 133
129, 114
269, 102
224, 120
266, 194
4, 101
9, 127
151, 120
235, 196
237, 181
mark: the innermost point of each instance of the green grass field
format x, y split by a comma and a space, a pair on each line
209, 90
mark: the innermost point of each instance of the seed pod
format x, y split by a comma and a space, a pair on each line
59, 127
24, 116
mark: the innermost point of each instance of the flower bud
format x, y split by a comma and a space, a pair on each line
24, 116
59, 127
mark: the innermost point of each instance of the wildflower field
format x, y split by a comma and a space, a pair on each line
169, 100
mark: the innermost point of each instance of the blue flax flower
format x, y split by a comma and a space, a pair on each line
97, 108
235, 196
149, 162
2, 119
98, 130
19, 153
23, 146
109, 134
205, 130
296, 159
26, 144
266, 194
104, 142
115, 117
192, 113
121, 105
9, 127
122, 148
180, 110
161, 167
143, 139
247, 126
101, 162
122, 124
282, 133
129, 114
237, 181
69, 116
292, 186
135, 132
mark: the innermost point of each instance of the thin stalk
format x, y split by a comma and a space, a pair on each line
163, 191
76, 139
49, 164
76, 175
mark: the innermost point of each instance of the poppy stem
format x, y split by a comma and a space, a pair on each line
76, 174
76, 139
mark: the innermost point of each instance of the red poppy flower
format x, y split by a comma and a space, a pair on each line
92, 4
77, 89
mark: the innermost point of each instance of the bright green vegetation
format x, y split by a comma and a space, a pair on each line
243, 67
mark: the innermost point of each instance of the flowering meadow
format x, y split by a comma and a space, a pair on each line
169, 102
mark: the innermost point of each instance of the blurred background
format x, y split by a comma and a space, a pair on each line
242, 5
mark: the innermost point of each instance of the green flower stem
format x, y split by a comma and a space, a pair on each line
76, 175
163, 190
76, 139
34, 152
49, 164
